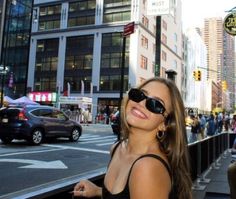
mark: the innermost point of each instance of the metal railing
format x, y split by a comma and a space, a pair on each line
205, 155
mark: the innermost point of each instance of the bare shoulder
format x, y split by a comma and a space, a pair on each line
152, 177
150, 165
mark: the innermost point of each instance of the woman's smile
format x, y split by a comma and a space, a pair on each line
138, 113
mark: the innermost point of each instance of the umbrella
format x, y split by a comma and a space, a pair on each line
25, 101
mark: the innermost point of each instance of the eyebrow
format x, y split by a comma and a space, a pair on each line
154, 97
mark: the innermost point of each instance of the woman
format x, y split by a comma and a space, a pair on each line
151, 160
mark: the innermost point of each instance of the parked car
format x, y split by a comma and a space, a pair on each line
115, 123
35, 123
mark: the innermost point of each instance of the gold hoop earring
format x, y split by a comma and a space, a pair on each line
161, 135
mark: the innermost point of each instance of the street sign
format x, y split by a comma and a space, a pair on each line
128, 29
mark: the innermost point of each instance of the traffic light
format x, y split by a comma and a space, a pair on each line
224, 85
198, 75
194, 74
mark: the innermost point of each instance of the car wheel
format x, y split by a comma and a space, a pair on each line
36, 137
6, 140
75, 134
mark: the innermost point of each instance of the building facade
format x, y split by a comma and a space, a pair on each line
15, 37
77, 46
220, 61
196, 59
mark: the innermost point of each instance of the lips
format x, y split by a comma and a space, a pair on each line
138, 113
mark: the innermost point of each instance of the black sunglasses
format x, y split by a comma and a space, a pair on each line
153, 105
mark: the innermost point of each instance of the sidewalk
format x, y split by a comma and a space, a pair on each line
218, 186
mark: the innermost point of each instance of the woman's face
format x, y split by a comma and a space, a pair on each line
138, 116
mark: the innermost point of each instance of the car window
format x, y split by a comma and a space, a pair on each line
58, 114
36, 112
45, 112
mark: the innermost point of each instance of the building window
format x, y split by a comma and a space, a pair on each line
116, 10
49, 17
144, 62
46, 65
175, 64
111, 60
164, 25
153, 67
175, 37
164, 38
144, 4
145, 21
144, 42
163, 55
154, 48
112, 82
81, 13
78, 62
175, 48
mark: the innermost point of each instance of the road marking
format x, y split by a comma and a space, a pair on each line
37, 164
98, 137
29, 152
104, 144
77, 148
89, 136
96, 141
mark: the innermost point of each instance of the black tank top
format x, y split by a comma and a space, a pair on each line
124, 194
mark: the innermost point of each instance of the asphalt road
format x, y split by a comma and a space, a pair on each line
25, 168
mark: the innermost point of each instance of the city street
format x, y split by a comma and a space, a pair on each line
25, 168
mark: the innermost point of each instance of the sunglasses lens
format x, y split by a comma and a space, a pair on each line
136, 95
155, 106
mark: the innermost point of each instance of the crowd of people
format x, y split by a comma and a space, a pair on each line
208, 125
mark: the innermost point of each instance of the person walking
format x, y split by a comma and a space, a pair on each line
211, 125
151, 159
202, 120
195, 129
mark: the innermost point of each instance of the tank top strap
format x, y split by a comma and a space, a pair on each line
153, 156
115, 147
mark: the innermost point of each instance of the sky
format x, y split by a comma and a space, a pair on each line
194, 11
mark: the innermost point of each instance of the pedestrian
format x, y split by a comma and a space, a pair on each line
151, 159
211, 125
86, 116
220, 122
226, 122
195, 129
202, 120
233, 124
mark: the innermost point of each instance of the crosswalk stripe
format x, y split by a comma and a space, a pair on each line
98, 140
107, 143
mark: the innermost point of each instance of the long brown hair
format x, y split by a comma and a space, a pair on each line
175, 143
